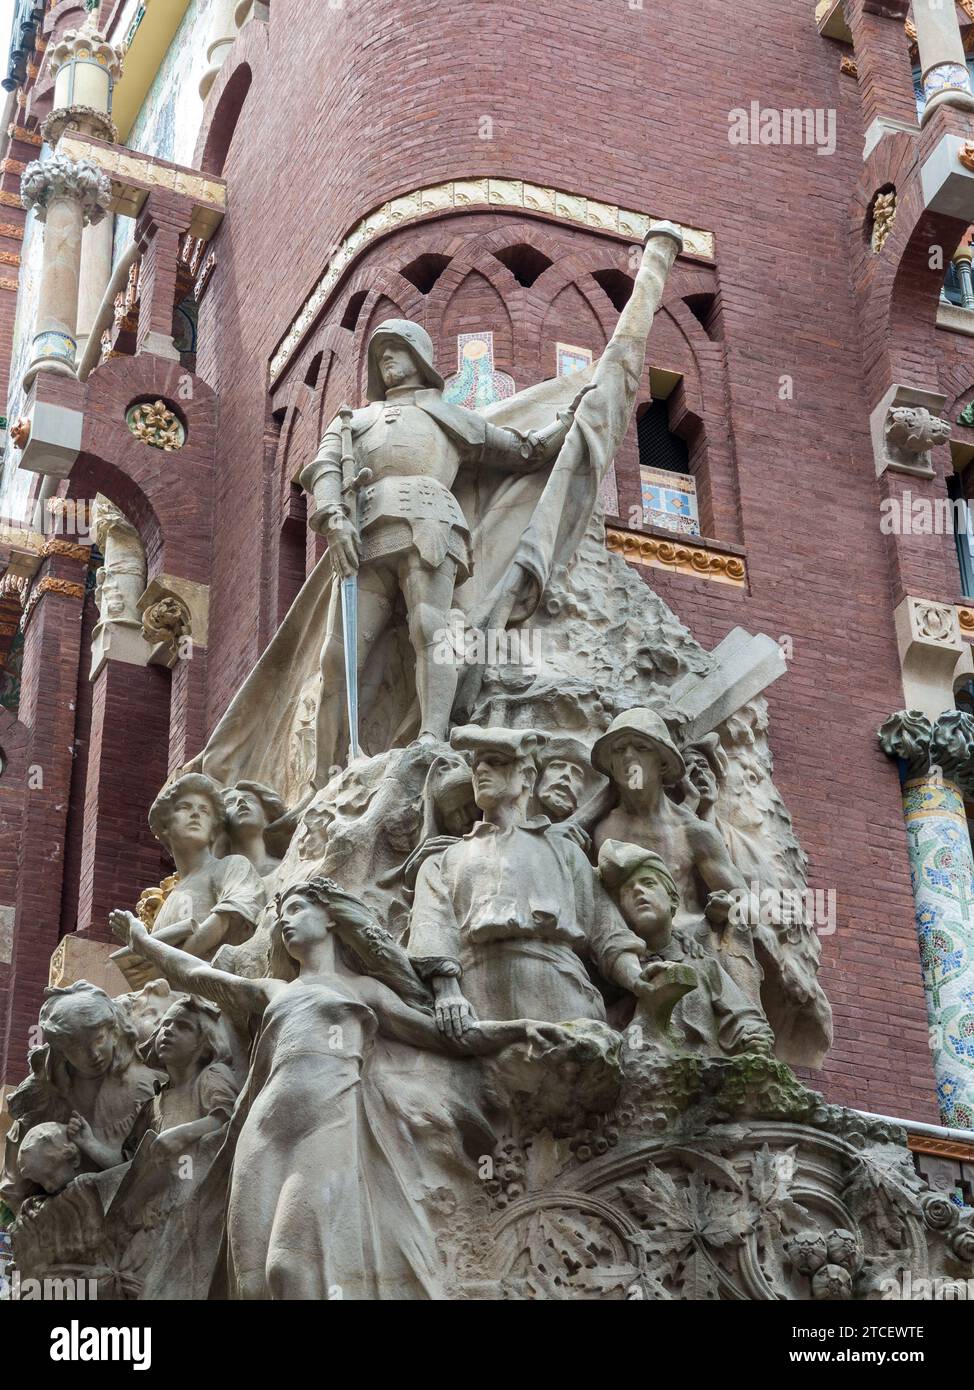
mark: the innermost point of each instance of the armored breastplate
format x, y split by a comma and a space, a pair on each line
405, 441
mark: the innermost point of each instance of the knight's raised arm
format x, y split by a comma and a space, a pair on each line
505, 447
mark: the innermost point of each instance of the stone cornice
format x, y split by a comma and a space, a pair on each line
679, 556
464, 195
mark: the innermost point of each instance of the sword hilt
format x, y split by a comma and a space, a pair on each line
356, 482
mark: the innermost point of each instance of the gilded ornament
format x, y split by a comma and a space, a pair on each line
155, 424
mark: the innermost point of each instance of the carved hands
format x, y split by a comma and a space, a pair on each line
342, 537
454, 1013
127, 927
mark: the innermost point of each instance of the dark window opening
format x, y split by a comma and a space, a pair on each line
703, 307
963, 535
525, 263
658, 446
617, 286
314, 370
353, 309
424, 271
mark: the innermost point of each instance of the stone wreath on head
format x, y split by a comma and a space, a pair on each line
215, 1045
368, 946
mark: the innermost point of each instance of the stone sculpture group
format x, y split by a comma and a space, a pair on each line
484, 1009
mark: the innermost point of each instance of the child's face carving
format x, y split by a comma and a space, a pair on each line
645, 905
178, 1039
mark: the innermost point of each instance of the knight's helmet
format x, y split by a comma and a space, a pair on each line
410, 335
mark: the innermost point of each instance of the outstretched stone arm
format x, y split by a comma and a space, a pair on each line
719, 874
397, 1020
188, 973
509, 449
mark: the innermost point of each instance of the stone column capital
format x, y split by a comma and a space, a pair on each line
109, 521
86, 45
86, 119
46, 181
944, 745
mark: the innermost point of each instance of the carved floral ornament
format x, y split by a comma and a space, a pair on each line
166, 621
153, 423
687, 559
883, 217
924, 746
45, 181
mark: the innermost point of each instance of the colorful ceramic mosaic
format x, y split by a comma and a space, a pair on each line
946, 77
477, 383
169, 121
942, 870
670, 500
571, 359
10, 675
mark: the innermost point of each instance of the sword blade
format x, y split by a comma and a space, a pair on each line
350, 641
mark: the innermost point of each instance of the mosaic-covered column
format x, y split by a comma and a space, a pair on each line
937, 764
943, 62
67, 196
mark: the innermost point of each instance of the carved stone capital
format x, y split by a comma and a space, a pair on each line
88, 120
944, 745
45, 181
173, 610
109, 521
933, 654
85, 45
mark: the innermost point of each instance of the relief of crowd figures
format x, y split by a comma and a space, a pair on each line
458, 989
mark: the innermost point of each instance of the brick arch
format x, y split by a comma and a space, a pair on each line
223, 125
896, 289
957, 384
496, 311
526, 306
168, 497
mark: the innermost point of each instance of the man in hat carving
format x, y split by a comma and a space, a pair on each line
503, 918
711, 1016
637, 753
